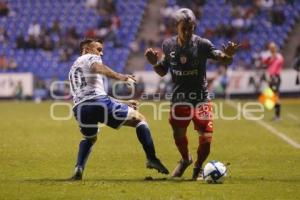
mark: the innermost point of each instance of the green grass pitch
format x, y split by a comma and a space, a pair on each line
37, 154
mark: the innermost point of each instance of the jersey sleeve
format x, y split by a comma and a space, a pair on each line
211, 50
164, 62
94, 59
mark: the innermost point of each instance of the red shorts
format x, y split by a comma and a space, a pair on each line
202, 116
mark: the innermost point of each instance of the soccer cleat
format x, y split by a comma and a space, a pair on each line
197, 174
276, 119
181, 167
156, 164
77, 175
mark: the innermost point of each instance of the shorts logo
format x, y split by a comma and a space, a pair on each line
183, 59
210, 124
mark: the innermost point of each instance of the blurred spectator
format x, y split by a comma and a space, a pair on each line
4, 9
18, 93
266, 4
32, 42
7, 63
106, 7
296, 64
91, 33
68, 44
277, 15
21, 43
3, 36
47, 43
93, 4
297, 54
225, 30
3, 62
209, 33
245, 44
242, 17
55, 28
71, 37
40, 91
135, 47
34, 29
65, 54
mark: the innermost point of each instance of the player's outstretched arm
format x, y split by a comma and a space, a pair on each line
152, 58
100, 68
226, 57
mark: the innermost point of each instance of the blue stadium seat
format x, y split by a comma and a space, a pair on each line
69, 13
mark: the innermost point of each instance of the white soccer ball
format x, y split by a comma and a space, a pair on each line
214, 172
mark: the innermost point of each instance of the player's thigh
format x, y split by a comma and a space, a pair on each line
86, 117
180, 117
178, 132
203, 118
117, 114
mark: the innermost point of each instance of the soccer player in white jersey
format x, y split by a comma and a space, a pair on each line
93, 106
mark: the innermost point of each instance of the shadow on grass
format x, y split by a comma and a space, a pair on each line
229, 180
106, 180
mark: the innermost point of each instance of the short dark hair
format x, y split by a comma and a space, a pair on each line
88, 41
184, 14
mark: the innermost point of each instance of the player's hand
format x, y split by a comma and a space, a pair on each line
133, 104
231, 48
127, 78
151, 56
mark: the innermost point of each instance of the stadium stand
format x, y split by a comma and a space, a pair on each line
41, 35
63, 22
252, 23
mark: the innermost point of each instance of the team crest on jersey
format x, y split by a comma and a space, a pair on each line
183, 59
172, 54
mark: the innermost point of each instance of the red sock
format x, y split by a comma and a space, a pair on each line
203, 150
182, 146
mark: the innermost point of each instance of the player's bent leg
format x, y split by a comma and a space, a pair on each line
202, 153
277, 108
143, 133
181, 142
85, 148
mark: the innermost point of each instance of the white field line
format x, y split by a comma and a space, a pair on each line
270, 128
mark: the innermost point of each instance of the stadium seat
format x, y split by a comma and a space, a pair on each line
66, 12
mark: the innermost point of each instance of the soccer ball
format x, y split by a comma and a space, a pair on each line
214, 172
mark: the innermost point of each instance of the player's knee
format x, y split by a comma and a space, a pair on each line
93, 139
140, 117
89, 134
206, 138
134, 118
179, 133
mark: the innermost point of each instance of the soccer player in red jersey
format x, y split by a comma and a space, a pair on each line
185, 56
274, 65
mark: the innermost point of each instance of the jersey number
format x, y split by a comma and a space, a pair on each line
77, 80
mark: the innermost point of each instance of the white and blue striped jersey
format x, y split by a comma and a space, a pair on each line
83, 83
